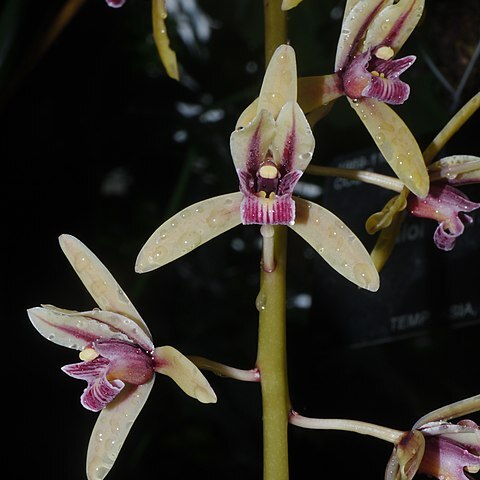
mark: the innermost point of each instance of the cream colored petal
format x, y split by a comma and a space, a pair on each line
336, 243
289, 4
354, 26
255, 139
453, 410
55, 325
406, 457
112, 427
167, 55
100, 283
292, 122
77, 329
280, 81
456, 169
315, 92
394, 24
348, 7
185, 374
189, 229
395, 142
247, 115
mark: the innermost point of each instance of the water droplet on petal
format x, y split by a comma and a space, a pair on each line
363, 275
81, 262
189, 241
305, 157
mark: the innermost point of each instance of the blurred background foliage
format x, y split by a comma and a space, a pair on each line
98, 142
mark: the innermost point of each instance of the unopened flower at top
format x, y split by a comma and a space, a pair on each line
119, 359
367, 73
271, 147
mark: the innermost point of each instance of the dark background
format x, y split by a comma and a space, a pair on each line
99, 143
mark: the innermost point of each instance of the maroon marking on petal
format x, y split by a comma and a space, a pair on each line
391, 68
288, 182
388, 90
259, 211
253, 160
395, 30
76, 332
360, 34
128, 362
100, 391
288, 151
445, 458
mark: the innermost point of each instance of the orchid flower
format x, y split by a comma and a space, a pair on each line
438, 448
373, 31
444, 203
118, 356
271, 147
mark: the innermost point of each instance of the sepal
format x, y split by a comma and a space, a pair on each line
184, 373
336, 243
188, 229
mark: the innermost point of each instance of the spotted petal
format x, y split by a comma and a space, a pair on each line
112, 427
456, 169
354, 26
394, 24
396, 143
184, 373
336, 243
249, 145
294, 142
188, 229
72, 329
453, 410
280, 81
99, 281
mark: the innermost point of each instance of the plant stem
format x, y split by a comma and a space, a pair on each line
275, 23
452, 127
271, 304
272, 363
